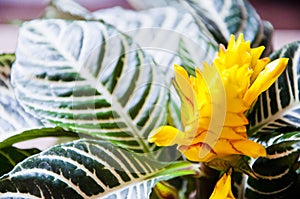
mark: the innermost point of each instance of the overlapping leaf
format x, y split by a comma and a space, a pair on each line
137, 4
169, 35
88, 169
10, 156
224, 17
13, 118
161, 32
67, 9
88, 77
282, 180
279, 106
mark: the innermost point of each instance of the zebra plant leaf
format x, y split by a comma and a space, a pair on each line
161, 32
13, 118
10, 156
151, 4
89, 78
89, 169
225, 17
276, 175
170, 36
279, 106
67, 9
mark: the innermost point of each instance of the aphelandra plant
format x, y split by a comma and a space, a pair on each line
165, 102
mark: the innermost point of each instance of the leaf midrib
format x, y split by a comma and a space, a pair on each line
89, 77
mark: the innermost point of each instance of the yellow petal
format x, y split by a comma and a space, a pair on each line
256, 53
225, 147
259, 66
187, 95
235, 119
223, 188
250, 148
166, 136
233, 133
265, 79
199, 152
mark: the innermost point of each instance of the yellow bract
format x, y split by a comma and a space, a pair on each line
223, 188
214, 102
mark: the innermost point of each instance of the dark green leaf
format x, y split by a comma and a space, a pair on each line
225, 17
276, 175
279, 106
89, 169
10, 156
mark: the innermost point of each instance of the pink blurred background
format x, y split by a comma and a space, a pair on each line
284, 15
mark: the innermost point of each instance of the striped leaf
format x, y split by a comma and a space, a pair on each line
161, 32
170, 36
89, 169
10, 156
89, 78
279, 106
225, 17
137, 4
67, 9
13, 118
277, 173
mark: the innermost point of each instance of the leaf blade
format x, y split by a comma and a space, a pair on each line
83, 85
102, 170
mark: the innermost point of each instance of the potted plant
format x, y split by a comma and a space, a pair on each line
184, 99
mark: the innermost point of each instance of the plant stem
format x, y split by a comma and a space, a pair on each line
205, 185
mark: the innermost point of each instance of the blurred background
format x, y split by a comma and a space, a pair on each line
284, 15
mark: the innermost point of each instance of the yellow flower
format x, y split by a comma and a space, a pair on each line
214, 102
223, 188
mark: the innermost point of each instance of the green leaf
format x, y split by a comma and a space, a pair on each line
225, 17
279, 106
89, 169
67, 9
13, 118
36, 133
276, 175
89, 78
279, 135
162, 32
170, 36
10, 156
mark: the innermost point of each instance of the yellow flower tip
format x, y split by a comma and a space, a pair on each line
231, 42
265, 79
240, 39
277, 66
165, 136
250, 148
222, 189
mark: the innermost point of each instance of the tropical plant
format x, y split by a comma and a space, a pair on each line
104, 82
